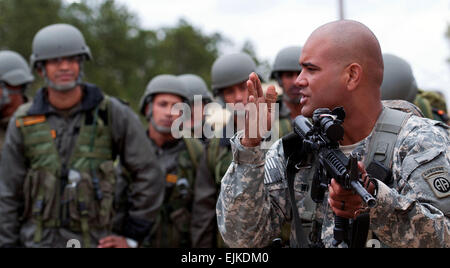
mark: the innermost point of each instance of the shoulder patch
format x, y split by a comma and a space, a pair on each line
272, 172
439, 181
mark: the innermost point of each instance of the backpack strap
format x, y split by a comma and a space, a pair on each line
291, 143
213, 152
382, 142
379, 163
195, 150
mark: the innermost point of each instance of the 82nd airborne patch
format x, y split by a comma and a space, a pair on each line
438, 179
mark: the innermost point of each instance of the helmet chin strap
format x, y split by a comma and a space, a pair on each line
5, 99
66, 86
160, 129
149, 117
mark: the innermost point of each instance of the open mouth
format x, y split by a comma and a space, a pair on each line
304, 100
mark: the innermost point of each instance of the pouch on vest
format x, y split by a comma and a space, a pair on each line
80, 197
40, 196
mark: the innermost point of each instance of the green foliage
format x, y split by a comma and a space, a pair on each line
126, 56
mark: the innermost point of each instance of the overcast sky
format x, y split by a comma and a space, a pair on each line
412, 29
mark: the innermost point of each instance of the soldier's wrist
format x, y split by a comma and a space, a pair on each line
246, 142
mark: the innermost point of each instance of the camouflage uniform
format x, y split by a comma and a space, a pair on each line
254, 201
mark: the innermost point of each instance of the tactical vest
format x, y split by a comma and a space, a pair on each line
78, 197
172, 228
378, 160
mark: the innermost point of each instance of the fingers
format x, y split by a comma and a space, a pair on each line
257, 85
370, 187
251, 89
113, 242
107, 242
361, 167
107, 239
271, 95
343, 202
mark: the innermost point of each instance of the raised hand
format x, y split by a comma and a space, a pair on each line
252, 119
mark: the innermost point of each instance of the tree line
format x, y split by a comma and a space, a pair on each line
126, 56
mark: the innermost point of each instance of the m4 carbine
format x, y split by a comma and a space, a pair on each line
322, 139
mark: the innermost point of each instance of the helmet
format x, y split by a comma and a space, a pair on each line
58, 40
286, 60
14, 69
231, 69
398, 82
195, 85
164, 83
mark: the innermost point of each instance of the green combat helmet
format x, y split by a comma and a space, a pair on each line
398, 80
14, 71
195, 85
286, 60
399, 84
58, 41
230, 70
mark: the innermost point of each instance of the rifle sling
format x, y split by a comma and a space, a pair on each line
290, 147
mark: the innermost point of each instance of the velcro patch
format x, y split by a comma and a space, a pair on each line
30, 120
439, 181
272, 173
171, 178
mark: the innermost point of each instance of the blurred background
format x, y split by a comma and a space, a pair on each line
134, 40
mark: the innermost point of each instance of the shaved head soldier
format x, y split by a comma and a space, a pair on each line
342, 66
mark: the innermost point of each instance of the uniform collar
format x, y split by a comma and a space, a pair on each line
92, 97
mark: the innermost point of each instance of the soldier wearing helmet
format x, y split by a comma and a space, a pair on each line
399, 88
229, 74
199, 96
57, 174
15, 77
179, 158
285, 71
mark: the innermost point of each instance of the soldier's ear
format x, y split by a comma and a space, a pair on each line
40, 69
353, 75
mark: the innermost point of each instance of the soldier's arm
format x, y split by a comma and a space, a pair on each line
12, 177
147, 184
416, 213
248, 215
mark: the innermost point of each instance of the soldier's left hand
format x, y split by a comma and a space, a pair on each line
347, 203
113, 242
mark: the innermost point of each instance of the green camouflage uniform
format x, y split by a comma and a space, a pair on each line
254, 201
